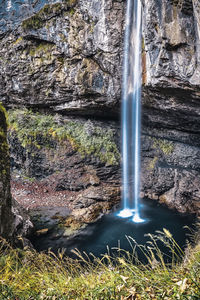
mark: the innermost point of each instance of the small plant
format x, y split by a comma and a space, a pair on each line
165, 146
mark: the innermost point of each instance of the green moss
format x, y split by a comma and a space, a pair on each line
92, 24
37, 21
72, 11
34, 22
41, 48
2, 133
30, 126
153, 163
2, 109
61, 60
17, 41
47, 93
4, 112
165, 146
49, 9
71, 2
143, 44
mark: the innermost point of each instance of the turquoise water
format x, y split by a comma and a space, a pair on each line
111, 231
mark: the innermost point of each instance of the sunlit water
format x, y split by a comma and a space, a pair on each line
131, 112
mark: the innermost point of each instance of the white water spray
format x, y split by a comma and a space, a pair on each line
131, 103
9, 5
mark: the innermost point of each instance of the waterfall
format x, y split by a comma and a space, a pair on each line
9, 5
131, 112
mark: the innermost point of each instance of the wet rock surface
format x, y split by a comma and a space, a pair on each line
66, 57
53, 225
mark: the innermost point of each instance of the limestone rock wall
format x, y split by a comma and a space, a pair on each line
171, 103
171, 37
66, 56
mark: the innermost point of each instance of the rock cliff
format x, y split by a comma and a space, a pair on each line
5, 196
171, 103
14, 221
65, 56
62, 60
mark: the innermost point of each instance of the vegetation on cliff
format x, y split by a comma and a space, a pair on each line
48, 11
39, 130
26, 274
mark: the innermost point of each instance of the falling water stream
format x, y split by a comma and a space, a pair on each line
131, 112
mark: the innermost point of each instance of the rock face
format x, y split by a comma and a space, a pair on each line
68, 154
65, 57
6, 219
171, 103
171, 36
13, 220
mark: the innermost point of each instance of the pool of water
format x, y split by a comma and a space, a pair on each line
111, 231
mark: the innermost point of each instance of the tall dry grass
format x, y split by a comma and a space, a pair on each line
26, 274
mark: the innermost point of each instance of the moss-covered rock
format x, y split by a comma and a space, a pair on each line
41, 130
5, 196
48, 11
165, 146
67, 154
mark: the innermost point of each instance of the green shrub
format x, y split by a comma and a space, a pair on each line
29, 126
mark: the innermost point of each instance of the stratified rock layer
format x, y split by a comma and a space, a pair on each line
66, 57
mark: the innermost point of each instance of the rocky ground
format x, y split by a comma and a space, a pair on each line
58, 216
49, 211
36, 194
